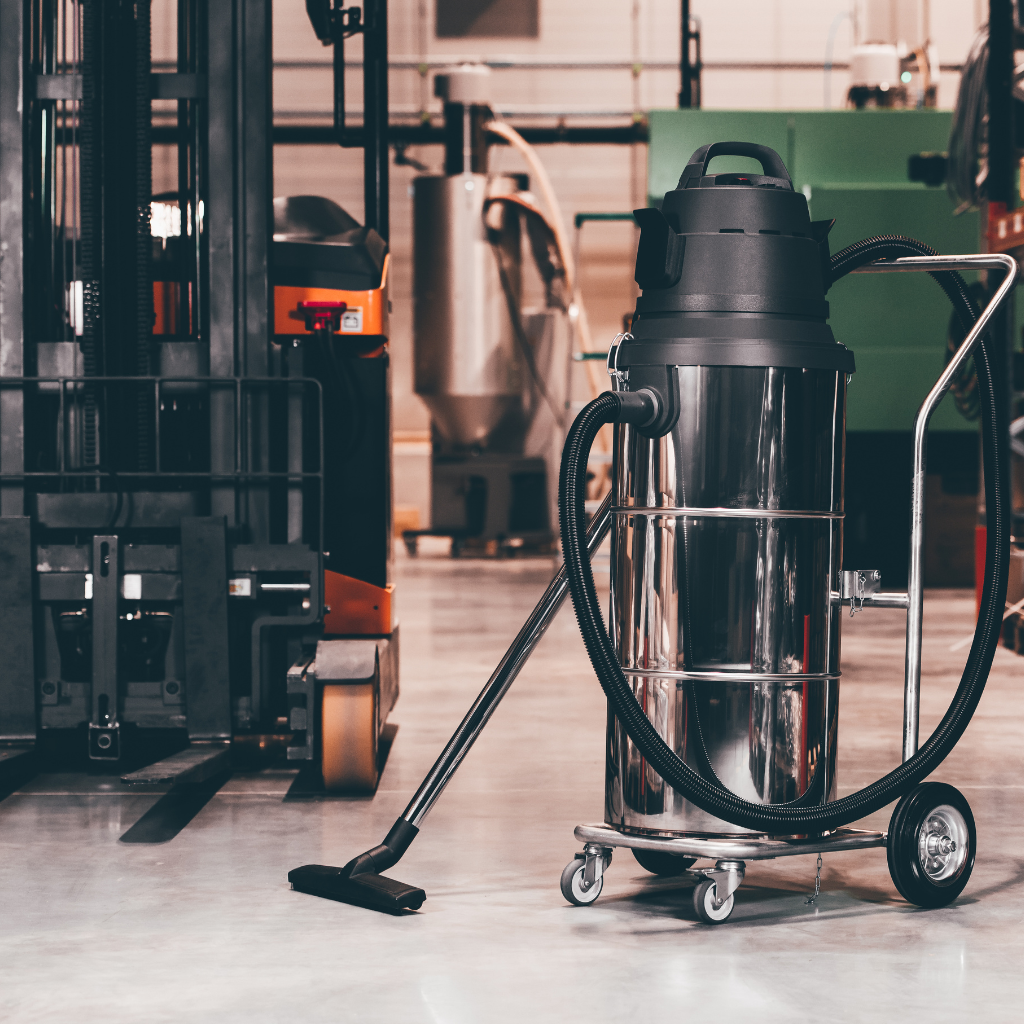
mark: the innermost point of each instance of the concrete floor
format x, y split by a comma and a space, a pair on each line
206, 928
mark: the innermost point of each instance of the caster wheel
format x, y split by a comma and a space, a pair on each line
931, 845
349, 738
705, 902
664, 864
571, 883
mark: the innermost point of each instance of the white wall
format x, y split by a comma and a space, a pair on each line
645, 32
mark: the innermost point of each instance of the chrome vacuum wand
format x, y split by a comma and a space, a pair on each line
360, 881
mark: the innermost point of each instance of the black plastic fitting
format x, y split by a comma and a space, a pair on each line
659, 256
382, 857
641, 408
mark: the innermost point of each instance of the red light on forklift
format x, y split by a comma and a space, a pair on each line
321, 315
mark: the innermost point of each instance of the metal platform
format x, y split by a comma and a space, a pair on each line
733, 848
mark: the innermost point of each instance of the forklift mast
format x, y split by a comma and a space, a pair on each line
187, 440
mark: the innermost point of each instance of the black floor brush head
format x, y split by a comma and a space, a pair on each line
375, 892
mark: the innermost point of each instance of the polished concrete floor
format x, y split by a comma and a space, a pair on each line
205, 927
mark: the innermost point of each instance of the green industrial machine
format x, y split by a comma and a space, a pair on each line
852, 166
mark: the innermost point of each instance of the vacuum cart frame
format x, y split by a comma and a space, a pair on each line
859, 589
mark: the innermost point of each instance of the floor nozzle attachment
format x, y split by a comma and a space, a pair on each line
373, 891
359, 882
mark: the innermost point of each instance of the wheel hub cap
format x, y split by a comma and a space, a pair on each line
942, 844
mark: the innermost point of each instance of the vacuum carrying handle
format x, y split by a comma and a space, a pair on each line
770, 161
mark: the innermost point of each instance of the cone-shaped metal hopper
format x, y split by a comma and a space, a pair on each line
469, 420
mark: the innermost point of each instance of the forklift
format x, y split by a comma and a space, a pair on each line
195, 423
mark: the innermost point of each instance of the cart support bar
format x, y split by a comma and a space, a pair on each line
915, 582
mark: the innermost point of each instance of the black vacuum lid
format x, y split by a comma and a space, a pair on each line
733, 271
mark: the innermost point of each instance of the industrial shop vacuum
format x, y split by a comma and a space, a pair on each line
721, 664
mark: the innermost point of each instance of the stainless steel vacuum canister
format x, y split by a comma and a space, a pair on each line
727, 537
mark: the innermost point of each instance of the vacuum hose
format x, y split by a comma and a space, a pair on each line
795, 817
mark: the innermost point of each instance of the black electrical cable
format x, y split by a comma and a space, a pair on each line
119, 504
90, 133
964, 385
793, 818
967, 162
348, 386
144, 397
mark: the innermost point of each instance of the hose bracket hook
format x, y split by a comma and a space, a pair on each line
619, 377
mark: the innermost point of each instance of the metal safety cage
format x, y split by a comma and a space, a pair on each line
303, 405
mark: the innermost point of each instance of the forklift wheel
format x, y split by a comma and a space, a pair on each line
349, 738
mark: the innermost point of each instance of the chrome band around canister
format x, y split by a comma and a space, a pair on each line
725, 513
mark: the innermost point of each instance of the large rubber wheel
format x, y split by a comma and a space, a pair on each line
664, 864
931, 845
349, 738
571, 883
705, 902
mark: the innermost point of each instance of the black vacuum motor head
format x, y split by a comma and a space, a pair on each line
733, 273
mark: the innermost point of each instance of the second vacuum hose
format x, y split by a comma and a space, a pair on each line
796, 818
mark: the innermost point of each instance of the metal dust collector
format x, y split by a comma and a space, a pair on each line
721, 661
486, 367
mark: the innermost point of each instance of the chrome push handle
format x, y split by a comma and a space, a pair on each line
915, 577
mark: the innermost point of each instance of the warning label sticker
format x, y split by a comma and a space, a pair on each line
352, 320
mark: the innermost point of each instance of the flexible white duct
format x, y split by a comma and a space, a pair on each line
540, 175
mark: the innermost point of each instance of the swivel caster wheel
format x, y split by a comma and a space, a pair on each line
707, 905
573, 882
931, 845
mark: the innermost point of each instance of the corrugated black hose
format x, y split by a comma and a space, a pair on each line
795, 817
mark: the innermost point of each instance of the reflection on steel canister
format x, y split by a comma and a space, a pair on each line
727, 543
